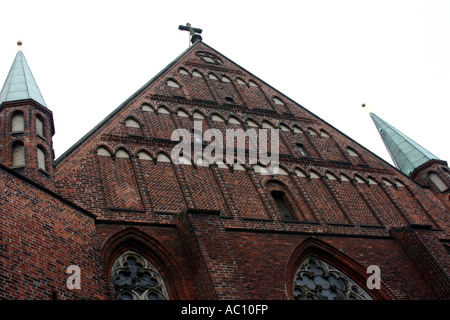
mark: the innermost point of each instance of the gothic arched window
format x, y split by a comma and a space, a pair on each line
317, 280
302, 150
136, 278
283, 205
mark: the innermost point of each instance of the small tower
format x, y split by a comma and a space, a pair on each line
414, 160
26, 125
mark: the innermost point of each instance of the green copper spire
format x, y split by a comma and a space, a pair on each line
20, 83
405, 152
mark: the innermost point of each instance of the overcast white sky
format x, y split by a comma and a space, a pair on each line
327, 55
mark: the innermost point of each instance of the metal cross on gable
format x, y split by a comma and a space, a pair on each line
194, 32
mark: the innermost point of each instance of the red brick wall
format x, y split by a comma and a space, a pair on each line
265, 260
40, 237
428, 255
216, 268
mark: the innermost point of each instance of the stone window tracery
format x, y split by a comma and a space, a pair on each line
318, 280
136, 278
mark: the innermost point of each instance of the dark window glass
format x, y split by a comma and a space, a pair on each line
281, 202
302, 150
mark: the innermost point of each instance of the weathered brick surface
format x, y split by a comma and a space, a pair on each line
160, 244
243, 194
215, 264
216, 232
265, 257
428, 255
41, 236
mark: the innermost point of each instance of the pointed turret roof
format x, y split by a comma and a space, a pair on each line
20, 83
405, 152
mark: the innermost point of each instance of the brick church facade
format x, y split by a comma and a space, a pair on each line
136, 225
